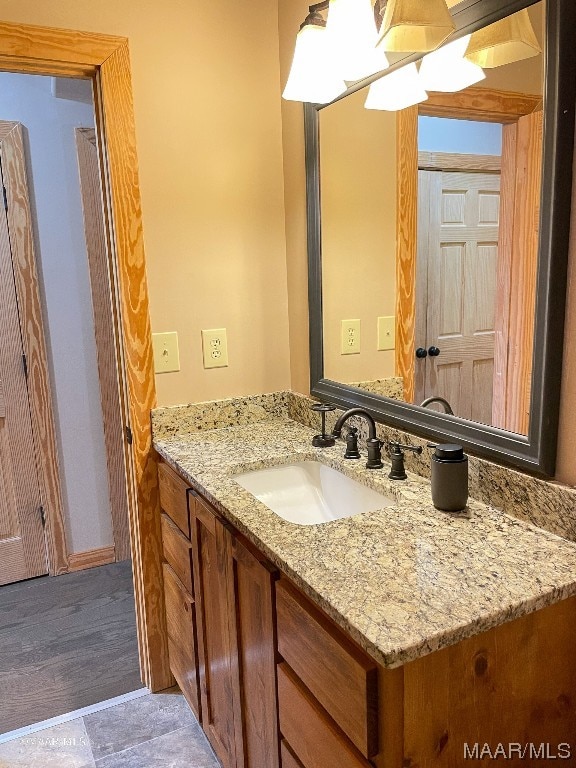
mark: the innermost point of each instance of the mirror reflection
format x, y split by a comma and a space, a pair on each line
430, 220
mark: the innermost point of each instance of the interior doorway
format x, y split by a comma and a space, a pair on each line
55, 224
62, 467
519, 117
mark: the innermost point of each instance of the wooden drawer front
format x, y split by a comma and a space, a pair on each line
287, 756
173, 497
180, 618
312, 735
177, 548
340, 675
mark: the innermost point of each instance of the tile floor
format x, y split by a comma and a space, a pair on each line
153, 731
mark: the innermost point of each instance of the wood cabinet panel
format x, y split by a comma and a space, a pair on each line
289, 760
214, 648
251, 611
180, 620
176, 549
340, 675
512, 684
311, 733
173, 497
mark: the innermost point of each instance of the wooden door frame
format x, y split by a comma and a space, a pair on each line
475, 103
105, 61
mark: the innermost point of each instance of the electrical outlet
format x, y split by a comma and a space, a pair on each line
166, 354
215, 348
386, 333
350, 337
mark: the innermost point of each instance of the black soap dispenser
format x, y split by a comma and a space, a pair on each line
449, 477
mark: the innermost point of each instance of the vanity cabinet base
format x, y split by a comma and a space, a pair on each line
278, 684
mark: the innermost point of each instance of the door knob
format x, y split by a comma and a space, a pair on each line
421, 353
433, 351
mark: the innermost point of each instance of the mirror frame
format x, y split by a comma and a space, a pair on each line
536, 452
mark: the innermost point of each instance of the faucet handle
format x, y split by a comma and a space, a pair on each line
352, 451
323, 440
322, 407
395, 448
396, 451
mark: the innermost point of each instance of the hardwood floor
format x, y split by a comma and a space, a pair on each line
66, 642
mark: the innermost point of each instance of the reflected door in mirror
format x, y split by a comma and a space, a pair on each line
456, 268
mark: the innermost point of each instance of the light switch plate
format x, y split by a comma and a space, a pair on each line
386, 333
166, 354
215, 348
350, 337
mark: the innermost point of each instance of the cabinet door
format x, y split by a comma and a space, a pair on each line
214, 651
251, 611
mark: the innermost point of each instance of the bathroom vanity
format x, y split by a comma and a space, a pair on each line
392, 638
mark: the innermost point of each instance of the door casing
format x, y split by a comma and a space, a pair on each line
105, 61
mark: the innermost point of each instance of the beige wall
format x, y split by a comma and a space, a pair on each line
206, 96
358, 209
291, 13
206, 90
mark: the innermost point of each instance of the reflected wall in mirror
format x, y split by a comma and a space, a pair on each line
429, 242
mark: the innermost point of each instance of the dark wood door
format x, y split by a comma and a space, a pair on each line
214, 646
251, 610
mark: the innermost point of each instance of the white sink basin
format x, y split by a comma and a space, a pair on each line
309, 493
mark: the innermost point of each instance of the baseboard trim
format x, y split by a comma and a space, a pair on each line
79, 561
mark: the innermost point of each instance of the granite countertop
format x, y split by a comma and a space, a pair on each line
403, 581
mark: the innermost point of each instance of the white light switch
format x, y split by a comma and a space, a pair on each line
215, 348
166, 355
386, 333
350, 337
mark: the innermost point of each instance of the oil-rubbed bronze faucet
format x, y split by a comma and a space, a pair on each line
373, 445
444, 403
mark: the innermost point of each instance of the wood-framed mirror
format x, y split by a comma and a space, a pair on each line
459, 240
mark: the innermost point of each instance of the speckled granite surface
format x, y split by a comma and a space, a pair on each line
392, 387
544, 503
403, 581
216, 414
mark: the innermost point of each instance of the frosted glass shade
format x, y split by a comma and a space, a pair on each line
508, 40
415, 25
353, 35
398, 90
313, 77
447, 70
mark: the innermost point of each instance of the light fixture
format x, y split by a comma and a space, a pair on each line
398, 90
415, 26
353, 35
447, 70
313, 77
508, 40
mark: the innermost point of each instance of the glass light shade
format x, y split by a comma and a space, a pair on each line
508, 40
353, 35
312, 77
415, 26
398, 90
447, 70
